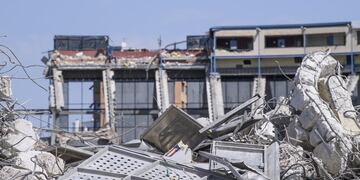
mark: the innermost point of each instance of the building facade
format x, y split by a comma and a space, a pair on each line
127, 89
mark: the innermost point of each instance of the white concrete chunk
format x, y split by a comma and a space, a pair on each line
297, 132
328, 153
309, 116
21, 137
40, 162
314, 138
9, 172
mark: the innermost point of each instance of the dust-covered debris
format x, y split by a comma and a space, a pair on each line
313, 133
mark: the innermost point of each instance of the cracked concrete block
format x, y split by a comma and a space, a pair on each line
40, 162
306, 76
299, 100
314, 138
302, 96
341, 103
356, 158
9, 172
332, 157
328, 66
322, 128
323, 97
297, 132
309, 116
21, 137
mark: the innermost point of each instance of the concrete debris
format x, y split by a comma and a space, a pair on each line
327, 118
9, 172
20, 137
294, 162
5, 87
313, 133
351, 83
38, 161
21, 159
22, 152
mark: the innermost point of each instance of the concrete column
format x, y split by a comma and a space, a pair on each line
52, 95
259, 87
258, 41
209, 99
350, 44
56, 100
162, 91
303, 30
58, 89
215, 97
109, 98
53, 110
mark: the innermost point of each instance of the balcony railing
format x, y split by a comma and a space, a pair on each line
250, 71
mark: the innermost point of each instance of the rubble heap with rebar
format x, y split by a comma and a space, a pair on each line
313, 133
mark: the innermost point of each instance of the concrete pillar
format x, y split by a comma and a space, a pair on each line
109, 98
258, 39
58, 89
215, 97
303, 30
259, 87
56, 100
350, 45
52, 96
162, 91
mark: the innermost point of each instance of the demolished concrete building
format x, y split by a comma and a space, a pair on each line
222, 108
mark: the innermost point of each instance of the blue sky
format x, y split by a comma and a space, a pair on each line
31, 25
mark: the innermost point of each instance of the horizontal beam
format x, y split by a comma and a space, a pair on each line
280, 55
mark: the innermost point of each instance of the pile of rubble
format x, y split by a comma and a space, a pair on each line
22, 153
311, 134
